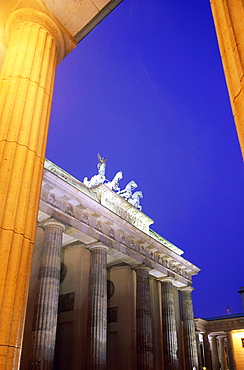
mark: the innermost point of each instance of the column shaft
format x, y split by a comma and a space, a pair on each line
207, 353
228, 18
26, 87
222, 355
214, 352
46, 312
169, 327
189, 331
143, 320
97, 324
199, 351
230, 351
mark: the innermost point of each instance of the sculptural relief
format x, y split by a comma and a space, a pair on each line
100, 177
135, 199
126, 193
114, 184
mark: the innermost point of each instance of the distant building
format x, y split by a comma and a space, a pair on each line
122, 290
221, 341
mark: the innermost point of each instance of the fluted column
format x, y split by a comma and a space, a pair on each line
169, 327
222, 354
228, 19
207, 353
214, 352
199, 350
230, 351
144, 343
46, 312
97, 322
35, 43
189, 330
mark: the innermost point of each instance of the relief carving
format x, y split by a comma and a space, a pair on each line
52, 200
69, 210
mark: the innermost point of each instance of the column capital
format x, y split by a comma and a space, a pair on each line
97, 245
167, 279
212, 336
53, 222
142, 267
64, 44
187, 289
221, 336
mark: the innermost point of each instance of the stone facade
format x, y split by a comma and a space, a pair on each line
122, 286
221, 341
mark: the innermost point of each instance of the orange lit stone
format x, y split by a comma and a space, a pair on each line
229, 23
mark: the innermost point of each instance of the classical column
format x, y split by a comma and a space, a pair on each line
207, 353
222, 354
35, 44
230, 351
199, 350
228, 18
144, 344
97, 322
214, 352
46, 312
169, 327
189, 332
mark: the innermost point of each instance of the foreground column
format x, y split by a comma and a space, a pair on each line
169, 327
230, 351
144, 343
222, 355
97, 322
207, 353
26, 86
228, 18
46, 313
189, 330
214, 352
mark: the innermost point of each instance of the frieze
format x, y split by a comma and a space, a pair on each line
52, 200
122, 208
85, 217
98, 226
123, 240
111, 233
69, 210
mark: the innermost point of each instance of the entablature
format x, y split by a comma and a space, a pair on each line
88, 221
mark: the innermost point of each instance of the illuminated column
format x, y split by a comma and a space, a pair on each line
97, 324
199, 350
169, 327
229, 22
35, 43
207, 353
222, 355
189, 332
214, 352
230, 351
144, 344
46, 313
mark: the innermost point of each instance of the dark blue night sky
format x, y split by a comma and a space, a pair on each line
146, 90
